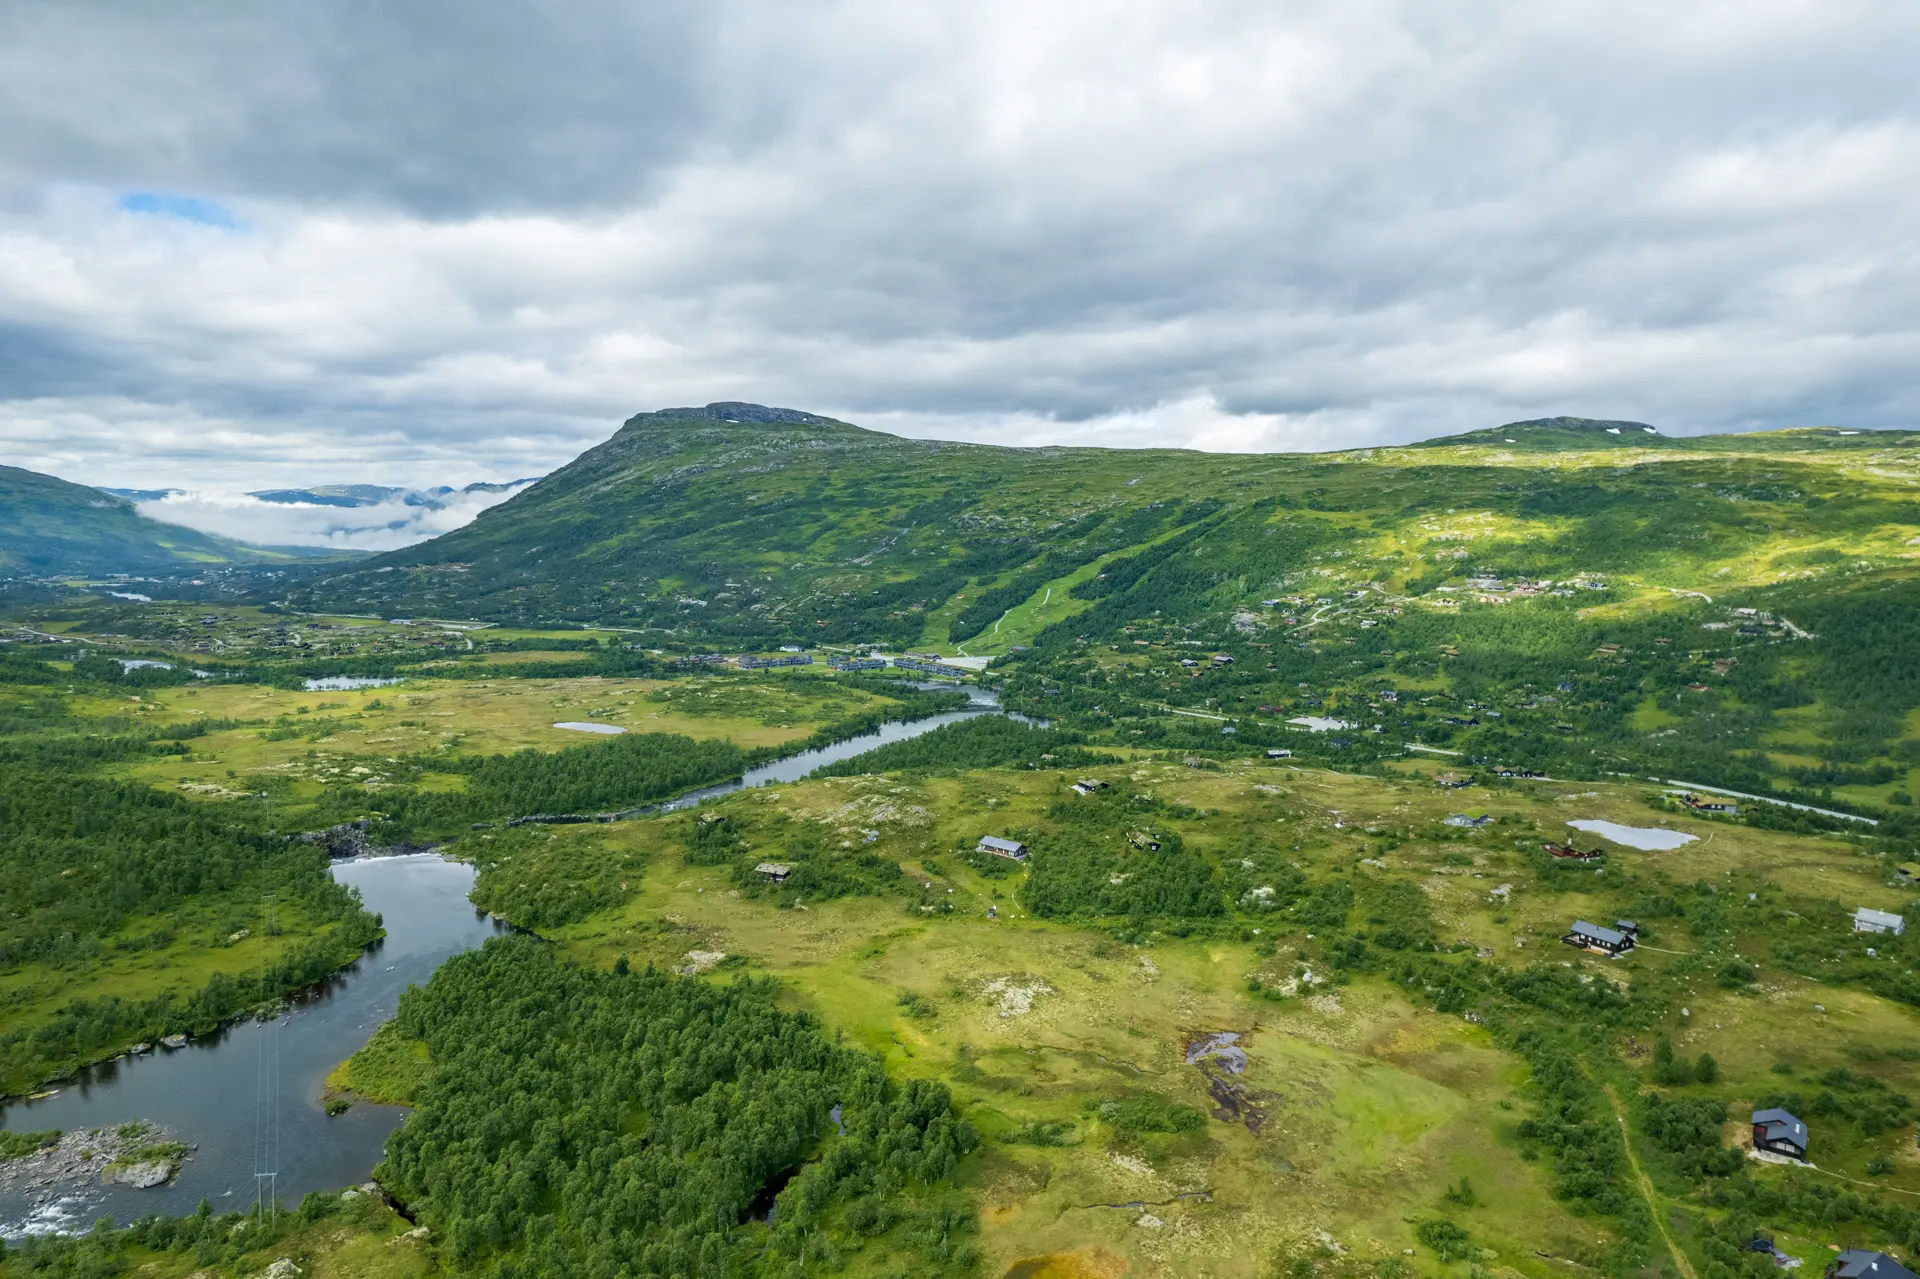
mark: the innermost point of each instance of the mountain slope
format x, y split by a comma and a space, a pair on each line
49, 526
741, 522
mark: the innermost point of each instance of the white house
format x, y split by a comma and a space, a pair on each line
1868, 920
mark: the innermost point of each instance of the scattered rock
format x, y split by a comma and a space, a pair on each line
283, 1268
133, 1154
144, 1175
1015, 995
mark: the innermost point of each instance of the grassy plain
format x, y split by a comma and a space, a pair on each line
1375, 1106
346, 737
387, 1069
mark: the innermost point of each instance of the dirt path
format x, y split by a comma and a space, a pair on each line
1646, 1187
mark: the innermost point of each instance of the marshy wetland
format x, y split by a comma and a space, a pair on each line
1233, 1015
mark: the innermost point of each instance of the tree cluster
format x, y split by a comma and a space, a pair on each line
637, 1123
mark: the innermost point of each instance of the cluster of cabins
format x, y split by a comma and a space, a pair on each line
757, 662
1568, 853
928, 667
1705, 804
785, 659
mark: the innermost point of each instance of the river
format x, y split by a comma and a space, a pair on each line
210, 1093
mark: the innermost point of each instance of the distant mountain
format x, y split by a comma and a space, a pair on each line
741, 522
351, 495
49, 526
1563, 434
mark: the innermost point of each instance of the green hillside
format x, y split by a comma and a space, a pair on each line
48, 526
1562, 591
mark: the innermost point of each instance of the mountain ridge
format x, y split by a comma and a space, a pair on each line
744, 523
50, 526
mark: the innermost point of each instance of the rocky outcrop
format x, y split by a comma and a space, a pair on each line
134, 1154
142, 1175
349, 839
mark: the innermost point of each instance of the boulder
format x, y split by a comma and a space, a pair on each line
141, 1176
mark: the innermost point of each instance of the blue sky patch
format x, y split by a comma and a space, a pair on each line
187, 208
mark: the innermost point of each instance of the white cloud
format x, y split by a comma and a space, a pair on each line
1218, 225
382, 526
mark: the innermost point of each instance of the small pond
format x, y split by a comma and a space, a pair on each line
1651, 838
582, 726
1319, 724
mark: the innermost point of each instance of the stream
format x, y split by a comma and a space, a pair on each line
209, 1094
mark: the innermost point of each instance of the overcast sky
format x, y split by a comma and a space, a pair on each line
281, 243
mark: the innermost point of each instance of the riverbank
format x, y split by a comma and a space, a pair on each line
223, 1091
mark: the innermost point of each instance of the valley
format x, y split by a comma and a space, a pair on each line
1315, 763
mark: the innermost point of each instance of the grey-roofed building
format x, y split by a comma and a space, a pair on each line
1858, 1263
1868, 920
1009, 848
1779, 1131
1599, 940
775, 871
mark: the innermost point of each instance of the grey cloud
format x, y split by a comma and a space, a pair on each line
440, 107
491, 234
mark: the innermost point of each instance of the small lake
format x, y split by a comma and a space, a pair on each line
1651, 838
1319, 724
207, 1092
582, 726
341, 683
